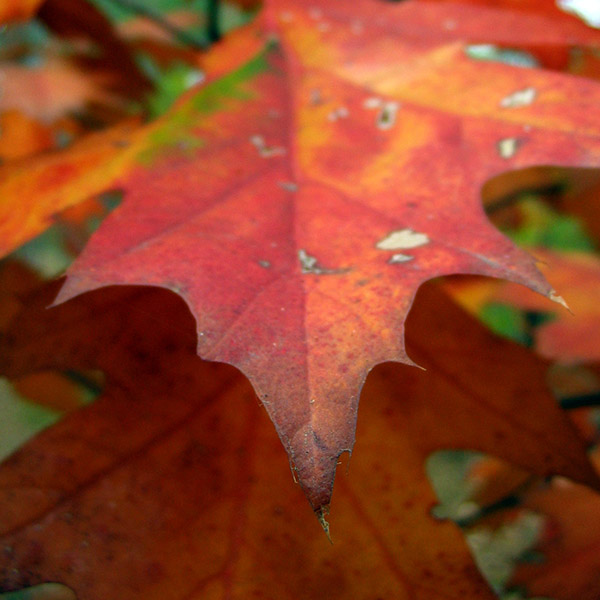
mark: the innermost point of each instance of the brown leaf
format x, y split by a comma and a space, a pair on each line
173, 485
81, 20
570, 545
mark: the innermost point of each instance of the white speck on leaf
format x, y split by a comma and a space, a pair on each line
372, 102
403, 239
265, 264
266, 151
339, 113
315, 13
387, 115
400, 258
288, 186
316, 97
519, 98
307, 262
310, 265
508, 147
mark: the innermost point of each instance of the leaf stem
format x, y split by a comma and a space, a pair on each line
213, 31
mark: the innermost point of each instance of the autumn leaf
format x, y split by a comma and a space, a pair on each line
172, 483
566, 337
566, 556
570, 544
18, 10
299, 258
549, 56
582, 202
48, 93
544, 7
561, 336
23, 136
35, 190
80, 20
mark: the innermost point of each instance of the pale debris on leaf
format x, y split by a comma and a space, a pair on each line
339, 113
400, 258
372, 102
508, 147
288, 186
519, 98
258, 141
403, 239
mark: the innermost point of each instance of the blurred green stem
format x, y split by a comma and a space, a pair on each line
185, 37
212, 21
583, 401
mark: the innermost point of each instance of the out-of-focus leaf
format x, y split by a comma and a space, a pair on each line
81, 20
18, 10
173, 482
568, 337
51, 90
22, 136
570, 546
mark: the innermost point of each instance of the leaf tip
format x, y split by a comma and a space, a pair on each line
559, 299
321, 514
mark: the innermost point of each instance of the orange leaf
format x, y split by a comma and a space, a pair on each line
570, 545
47, 93
544, 7
22, 136
35, 187
569, 336
18, 10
